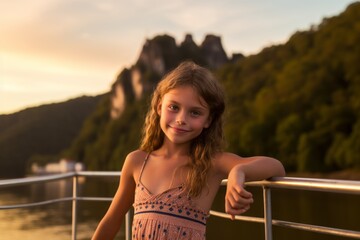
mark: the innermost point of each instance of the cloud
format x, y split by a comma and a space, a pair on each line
69, 32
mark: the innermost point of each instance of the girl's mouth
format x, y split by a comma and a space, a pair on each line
179, 130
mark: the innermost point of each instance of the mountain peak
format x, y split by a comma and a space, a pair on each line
158, 56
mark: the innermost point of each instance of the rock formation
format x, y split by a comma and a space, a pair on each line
158, 56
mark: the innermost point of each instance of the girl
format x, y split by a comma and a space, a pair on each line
174, 177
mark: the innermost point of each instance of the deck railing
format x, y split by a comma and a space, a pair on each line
334, 186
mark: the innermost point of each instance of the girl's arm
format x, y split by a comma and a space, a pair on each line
124, 197
240, 170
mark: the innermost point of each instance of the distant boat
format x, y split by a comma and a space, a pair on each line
64, 165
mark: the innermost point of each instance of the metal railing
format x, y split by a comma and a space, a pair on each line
334, 186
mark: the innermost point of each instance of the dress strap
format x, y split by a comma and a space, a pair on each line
143, 166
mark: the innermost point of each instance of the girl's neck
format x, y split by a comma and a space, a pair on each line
170, 150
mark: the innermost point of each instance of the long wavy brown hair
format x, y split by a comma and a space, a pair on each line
210, 141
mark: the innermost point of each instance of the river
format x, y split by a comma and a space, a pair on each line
54, 221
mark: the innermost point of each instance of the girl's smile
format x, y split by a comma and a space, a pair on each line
179, 130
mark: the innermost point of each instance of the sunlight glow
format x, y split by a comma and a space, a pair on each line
55, 49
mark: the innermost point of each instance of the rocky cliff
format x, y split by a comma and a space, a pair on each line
158, 56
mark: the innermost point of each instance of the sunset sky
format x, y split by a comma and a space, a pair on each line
53, 50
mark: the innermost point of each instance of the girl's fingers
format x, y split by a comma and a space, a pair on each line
231, 201
235, 211
236, 207
237, 201
242, 192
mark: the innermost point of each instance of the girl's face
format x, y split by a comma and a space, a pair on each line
183, 115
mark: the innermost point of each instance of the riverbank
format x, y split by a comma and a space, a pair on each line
350, 174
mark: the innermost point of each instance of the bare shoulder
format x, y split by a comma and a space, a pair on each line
135, 158
133, 162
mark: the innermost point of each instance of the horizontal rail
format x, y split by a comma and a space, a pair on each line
51, 201
293, 225
311, 184
36, 204
314, 184
98, 174
237, 217
318, 229
55, 177
37, 179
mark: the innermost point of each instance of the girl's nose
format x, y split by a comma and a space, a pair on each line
180, 122
181, 118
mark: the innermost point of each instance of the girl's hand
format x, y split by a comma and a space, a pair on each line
237, 199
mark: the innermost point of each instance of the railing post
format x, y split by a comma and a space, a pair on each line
267, 213
128, 225
74, 208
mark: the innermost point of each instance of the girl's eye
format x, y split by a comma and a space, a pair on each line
173, 107
195, 113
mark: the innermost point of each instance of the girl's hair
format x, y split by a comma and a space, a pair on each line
210, 141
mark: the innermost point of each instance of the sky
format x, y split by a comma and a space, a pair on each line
55, 50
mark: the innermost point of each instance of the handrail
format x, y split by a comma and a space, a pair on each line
311, 184
38, 179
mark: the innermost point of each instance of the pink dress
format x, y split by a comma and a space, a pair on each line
170, 215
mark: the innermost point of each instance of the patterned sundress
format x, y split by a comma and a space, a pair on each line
170, 215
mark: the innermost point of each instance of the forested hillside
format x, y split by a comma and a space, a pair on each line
298, 101
40, 133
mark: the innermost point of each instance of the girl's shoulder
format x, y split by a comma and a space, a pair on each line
134, 160
137, 157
